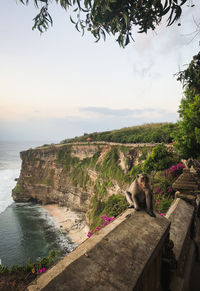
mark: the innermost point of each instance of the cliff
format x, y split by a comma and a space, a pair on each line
78, 176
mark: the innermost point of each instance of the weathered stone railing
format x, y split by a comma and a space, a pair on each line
125, 255
134, 252
181, 216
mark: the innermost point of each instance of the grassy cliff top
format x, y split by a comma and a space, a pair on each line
146, 133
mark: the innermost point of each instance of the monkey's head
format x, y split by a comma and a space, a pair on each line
143, 180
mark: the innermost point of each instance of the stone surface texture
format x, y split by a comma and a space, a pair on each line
187, 182
181, 215
125, 255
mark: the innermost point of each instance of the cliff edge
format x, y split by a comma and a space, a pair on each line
77, 176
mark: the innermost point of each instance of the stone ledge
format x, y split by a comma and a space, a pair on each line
115, 258
180, 215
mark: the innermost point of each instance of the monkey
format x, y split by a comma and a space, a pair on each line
140, 192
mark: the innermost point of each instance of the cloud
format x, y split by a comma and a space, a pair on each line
98, 119
125, 112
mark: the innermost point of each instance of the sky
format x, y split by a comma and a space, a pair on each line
59, 84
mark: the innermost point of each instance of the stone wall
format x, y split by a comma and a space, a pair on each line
181, 216
125, 255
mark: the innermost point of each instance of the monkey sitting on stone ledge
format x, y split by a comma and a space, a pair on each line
140, 192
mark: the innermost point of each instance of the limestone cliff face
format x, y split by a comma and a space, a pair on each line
71, 175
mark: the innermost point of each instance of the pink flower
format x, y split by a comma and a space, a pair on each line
162, 214
103, 216
180, 166
89, 234
157, 202
173, 168
42, 270
98, 228
158, 190
14, 283
107, 221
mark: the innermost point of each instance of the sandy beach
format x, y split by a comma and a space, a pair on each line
72, 223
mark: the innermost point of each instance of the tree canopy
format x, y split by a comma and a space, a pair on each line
187, 134
116, 17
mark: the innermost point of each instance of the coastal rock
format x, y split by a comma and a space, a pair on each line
70, 174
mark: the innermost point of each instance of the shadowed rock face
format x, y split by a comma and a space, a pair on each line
65, 174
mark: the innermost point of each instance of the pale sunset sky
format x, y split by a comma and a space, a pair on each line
60, 84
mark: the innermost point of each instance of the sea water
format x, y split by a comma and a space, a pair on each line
27, 231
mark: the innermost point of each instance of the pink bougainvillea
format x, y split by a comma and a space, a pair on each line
107, 221
178, 167
42, 270
158, 190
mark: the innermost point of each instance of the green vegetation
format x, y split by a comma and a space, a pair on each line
144, 154
101, 187
187, 134
110, 170
19, 277
159, 159
49, 181
18, 188
162, 186
107, 170
163, 197
75, 167
110, 173
112, 17
31, 155
113, 206
147, 133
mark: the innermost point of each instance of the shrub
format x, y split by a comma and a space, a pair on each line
159, 159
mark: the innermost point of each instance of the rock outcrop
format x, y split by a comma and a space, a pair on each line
71, 174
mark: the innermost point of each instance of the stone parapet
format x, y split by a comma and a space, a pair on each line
125, 255
181, 215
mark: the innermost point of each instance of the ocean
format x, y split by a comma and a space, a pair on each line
27, 231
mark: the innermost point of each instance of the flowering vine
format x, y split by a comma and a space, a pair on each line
106, 219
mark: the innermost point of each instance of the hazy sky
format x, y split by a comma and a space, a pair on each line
60, 84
